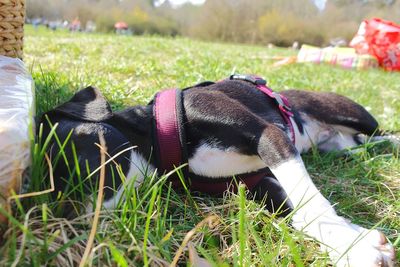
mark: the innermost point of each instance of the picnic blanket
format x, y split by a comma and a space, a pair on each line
346, 57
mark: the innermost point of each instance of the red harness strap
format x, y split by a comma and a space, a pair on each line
217, 186
283, 103
167, 130
284, 108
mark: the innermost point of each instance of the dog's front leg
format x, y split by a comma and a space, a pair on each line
347, 244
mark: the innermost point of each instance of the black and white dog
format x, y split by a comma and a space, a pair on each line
231, 128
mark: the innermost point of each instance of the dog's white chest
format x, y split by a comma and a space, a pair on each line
216, 162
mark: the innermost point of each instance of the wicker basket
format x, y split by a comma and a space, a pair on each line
12, 17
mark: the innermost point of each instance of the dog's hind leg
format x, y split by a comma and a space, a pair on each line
313, 214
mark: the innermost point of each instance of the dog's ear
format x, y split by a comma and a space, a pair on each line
86, 105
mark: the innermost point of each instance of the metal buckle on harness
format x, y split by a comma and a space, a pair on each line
280, 101
249, 78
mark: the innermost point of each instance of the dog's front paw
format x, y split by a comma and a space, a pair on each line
371, 249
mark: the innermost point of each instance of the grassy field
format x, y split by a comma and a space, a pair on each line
154, 221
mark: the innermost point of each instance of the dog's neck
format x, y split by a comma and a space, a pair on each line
136, 124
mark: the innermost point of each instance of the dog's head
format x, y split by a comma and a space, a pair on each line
72, 132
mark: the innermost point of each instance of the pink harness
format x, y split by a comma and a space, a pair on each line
170, 145
168, 132
281, 100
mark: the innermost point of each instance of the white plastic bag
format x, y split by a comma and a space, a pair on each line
16, 121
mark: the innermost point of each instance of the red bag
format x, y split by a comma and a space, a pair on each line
379, 38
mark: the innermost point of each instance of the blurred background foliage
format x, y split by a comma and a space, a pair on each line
280, 22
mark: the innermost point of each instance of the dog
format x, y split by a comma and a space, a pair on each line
229, 128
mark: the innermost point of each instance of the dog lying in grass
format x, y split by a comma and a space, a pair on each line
237, 127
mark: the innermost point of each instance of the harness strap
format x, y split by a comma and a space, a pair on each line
170, 148
281, 100
219, 187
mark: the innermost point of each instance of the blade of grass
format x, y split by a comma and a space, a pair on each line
98, 202
242, 224
147, 227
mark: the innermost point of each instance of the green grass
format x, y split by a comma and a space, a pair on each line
152, 223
